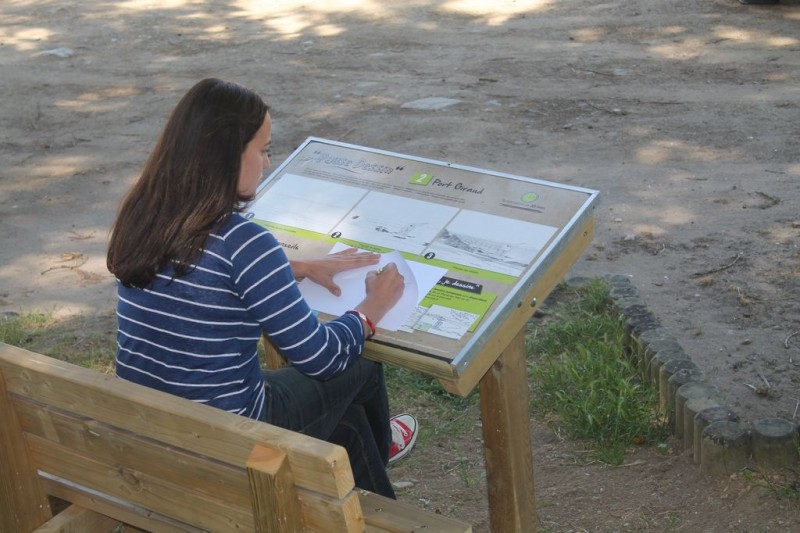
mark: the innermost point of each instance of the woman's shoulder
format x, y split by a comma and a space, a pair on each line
241, 228
239, 235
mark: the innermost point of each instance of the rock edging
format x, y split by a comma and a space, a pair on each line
712, 433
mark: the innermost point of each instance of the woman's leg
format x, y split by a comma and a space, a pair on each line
351, 409
369, 468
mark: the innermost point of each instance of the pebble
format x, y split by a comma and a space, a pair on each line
434, 102
59, 52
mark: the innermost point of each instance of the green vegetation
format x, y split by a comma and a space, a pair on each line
442, 414
84, 341
784, 483
583, 378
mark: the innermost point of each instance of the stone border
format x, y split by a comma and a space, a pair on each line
712, 433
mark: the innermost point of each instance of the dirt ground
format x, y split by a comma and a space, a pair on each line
684, 114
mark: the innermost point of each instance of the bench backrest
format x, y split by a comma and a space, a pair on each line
153, 460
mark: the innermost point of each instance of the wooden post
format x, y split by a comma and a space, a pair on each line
23, 504
775, 443
275, 506
725, 447
507, 441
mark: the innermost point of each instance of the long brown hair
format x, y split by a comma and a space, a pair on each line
189, 184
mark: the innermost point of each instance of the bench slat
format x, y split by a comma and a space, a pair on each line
392, 516
323, 514
128, 450
75, 519
177, 501
316, 465
132, 515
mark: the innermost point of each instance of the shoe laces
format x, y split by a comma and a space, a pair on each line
400, 434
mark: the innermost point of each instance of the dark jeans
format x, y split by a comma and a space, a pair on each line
351, 409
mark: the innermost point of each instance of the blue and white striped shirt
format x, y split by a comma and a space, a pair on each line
196, 336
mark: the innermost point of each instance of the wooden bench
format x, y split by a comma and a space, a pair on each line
122, 453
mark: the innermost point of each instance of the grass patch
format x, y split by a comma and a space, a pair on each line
783, 483
583, 378
440, 413
85, 341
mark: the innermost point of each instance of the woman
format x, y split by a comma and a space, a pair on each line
198, 284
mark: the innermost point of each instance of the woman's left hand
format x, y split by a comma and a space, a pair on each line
322, 270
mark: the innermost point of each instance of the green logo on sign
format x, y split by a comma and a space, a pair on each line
530, 197
421, 178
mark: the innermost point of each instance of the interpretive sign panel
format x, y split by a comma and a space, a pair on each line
469, 242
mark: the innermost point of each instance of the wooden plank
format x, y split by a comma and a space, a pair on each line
423, 364
134, 452
274, 499
317, 465
507, 442
323, 514
131, 515
76, 519
386, 515
23, 503
274, 359
173, 500
516, 321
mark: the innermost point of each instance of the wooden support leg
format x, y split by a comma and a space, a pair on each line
275, 506
23, 504
507, 442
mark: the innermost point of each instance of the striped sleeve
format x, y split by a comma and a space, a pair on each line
265, 282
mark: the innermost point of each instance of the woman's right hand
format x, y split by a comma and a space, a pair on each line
384, 289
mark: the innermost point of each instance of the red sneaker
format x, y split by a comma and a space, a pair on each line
404, 435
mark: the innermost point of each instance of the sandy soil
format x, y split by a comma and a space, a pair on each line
683, 114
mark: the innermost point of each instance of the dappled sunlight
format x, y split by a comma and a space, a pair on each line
218, 32
696, 47
741, 35
294, 19
100, 101
296, 25
675, 215
52, 168
659, 152
674, 30
25, 40
64, 280
494, 13
687, 49
589, 35
361, 7
491, 12
659, 221
648, 229
147, 5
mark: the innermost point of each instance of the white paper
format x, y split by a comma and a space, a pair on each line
447, 322
419, 280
